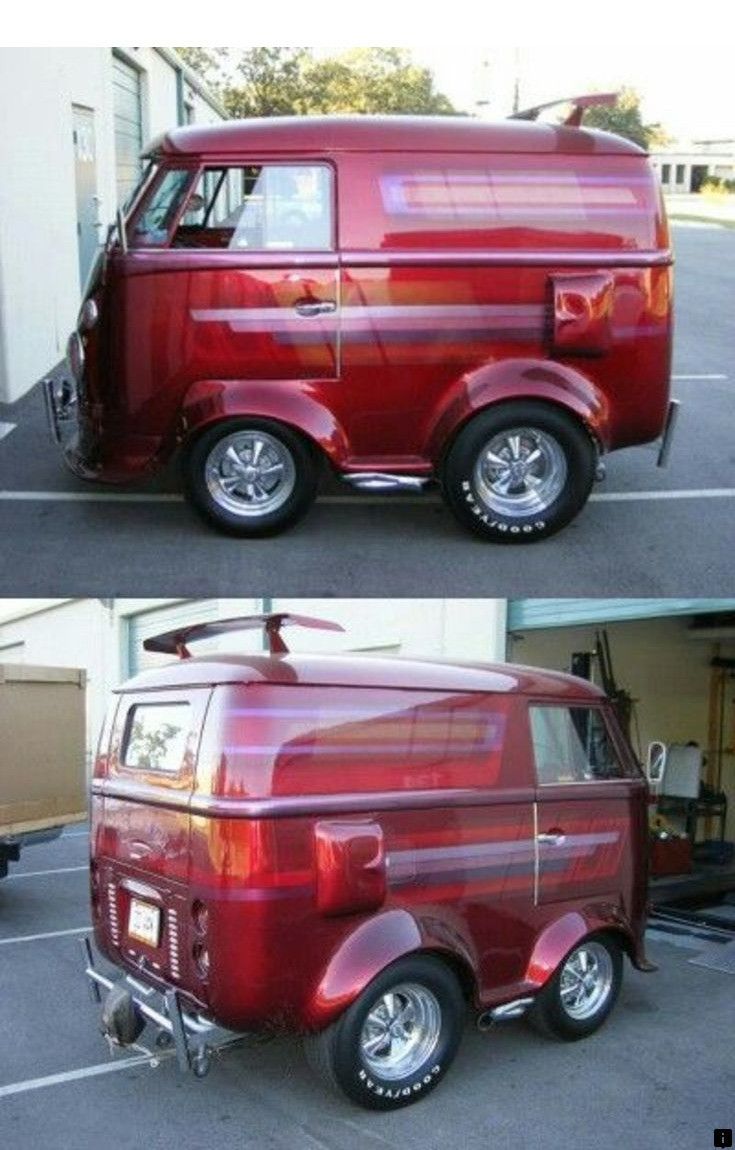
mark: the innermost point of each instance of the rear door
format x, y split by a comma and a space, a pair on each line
142, 844
590, 806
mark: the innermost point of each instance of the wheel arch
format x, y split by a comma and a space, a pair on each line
525, 381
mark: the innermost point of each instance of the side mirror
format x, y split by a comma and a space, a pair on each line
656, 763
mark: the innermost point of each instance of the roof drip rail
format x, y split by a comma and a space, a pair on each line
177, 642
580, 104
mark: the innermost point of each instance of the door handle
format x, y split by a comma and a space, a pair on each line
553, 838
312, 307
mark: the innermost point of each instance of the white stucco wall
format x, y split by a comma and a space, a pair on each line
39, 265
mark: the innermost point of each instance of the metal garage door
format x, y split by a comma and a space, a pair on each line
128, 126
527, 614
162, 619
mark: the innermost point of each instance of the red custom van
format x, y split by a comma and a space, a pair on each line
357, 850
485, 306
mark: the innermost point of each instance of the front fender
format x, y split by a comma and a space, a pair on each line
208, 401
517, 380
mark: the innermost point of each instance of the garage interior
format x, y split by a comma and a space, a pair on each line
671, 666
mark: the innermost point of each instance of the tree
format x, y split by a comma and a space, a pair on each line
370, 80
625, 120
292, 81
270, 82
207, 63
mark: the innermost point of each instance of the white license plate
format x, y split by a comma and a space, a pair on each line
144, 922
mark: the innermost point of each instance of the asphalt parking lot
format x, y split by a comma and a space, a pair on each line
659, 1074
645, 532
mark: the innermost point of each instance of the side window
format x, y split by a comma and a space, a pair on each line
155, 737
267, 207
154, 222
572, 745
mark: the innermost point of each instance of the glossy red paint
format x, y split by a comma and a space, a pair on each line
333, 814
470, 264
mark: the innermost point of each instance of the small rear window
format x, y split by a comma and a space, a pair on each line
155, 737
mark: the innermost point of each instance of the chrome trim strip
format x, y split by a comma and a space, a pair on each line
510, 258
298, 805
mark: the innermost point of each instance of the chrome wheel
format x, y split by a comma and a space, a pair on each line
401, 1031
250, 473
521, 471
586, 981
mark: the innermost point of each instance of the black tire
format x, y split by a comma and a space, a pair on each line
552, 1017
337, 1055
562, 474
207, 470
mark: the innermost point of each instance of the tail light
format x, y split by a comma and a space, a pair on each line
201, 959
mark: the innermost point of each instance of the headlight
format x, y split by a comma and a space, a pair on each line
89, 315
75, 356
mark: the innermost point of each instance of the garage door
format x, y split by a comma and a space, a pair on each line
128, 126
527, 614
150, 623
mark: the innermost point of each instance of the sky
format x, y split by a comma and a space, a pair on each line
686, 88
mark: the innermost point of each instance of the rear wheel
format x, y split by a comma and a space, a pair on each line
396, 1042
583, 991
250, 476
519, 472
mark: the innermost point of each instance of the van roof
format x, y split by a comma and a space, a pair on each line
361, 671
325, 134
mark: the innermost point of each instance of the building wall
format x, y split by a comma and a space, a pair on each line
665, 670
39, 265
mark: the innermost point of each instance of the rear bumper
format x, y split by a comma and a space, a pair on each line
193, 1037
667, 439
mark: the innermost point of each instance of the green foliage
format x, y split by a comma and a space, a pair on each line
717, 186
293, 81
625, 120
208, 63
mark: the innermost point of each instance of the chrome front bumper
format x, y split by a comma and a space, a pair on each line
61, 401
193, 1037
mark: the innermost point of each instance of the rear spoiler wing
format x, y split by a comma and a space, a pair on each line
580, 104
176, 642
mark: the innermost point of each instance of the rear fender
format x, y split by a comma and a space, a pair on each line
561, 936
366, 952
209, 401
520, 379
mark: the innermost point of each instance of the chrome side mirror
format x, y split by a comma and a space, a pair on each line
656, 763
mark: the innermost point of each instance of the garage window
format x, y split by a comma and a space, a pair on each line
572, 745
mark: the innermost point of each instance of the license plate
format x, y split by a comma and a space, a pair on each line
144, 922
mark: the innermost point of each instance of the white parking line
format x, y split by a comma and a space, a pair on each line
49, 934
42, 873
6, 428
74, 834
352, 500
151, 1060
712, 378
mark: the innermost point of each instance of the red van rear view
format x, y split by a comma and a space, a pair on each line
357, 849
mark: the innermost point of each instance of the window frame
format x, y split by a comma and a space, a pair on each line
629, 771
198, 170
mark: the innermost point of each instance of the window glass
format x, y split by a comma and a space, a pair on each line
572, 745
155, 221
155, 737
270, 207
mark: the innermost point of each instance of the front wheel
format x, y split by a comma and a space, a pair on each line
397, 1040
250, 477
519, 472
583, 991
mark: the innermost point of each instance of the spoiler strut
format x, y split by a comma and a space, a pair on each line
580, 104
176, 642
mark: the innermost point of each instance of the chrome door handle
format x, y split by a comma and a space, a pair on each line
311, 307
555, 840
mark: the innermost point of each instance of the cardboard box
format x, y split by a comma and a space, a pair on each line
43, 780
